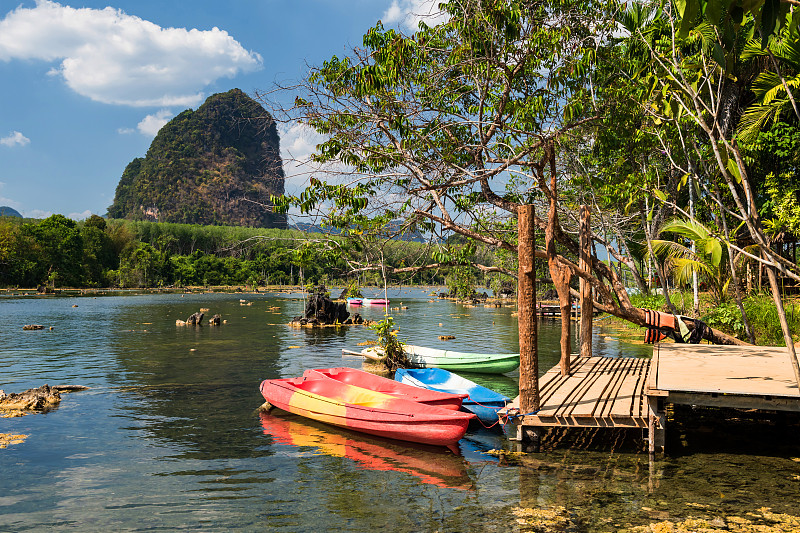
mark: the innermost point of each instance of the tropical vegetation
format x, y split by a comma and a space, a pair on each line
59, 252
673, 122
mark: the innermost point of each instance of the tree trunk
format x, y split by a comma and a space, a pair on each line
787, 333
587, 307
560, 275
659, 267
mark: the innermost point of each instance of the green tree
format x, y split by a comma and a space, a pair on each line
60, 249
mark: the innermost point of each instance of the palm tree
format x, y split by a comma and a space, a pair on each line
707, 260
775, 90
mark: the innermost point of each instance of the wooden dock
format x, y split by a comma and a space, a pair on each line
554, 311
598, 392
631, 392
741, 377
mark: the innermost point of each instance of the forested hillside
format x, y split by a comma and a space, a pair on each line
216, 165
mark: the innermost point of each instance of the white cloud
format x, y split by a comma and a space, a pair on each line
410, 13
115, 58
125, 131
14, 138
80, 216
37, 213
298, 142
150, 124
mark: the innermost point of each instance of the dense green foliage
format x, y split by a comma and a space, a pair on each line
216, 165
59, 252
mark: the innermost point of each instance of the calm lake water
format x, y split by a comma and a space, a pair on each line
169, 437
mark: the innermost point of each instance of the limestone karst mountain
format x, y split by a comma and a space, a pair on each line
218, 165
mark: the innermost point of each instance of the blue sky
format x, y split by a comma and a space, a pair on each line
85, 85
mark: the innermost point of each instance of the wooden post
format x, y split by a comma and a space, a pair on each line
656, 419
526, 303
587, 307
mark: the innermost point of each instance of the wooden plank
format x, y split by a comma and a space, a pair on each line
745, 370
554, 381
639, 400
574, 386
621, 404
591, 392
565, 387
767, 403
601, 389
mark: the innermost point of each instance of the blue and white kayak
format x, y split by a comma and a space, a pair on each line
482, 401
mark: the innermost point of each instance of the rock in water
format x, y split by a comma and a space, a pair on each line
195, 319
38, 399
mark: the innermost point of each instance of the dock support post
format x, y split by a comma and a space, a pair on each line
656, 420
526, 303
587, 307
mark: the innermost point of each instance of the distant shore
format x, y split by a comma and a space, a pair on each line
224, 289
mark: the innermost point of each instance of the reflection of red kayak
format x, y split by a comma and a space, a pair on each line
345, 405
433, 466
359, 378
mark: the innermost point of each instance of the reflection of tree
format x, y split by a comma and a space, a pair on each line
201, 400
315, 336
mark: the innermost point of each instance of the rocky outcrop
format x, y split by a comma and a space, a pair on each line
216, 165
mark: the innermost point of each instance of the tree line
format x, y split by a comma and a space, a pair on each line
98, 252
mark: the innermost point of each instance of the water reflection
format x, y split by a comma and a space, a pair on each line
434, 466
168, 436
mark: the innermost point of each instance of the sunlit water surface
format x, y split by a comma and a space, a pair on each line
169, 437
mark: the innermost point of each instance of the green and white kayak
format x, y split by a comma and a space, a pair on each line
485, 363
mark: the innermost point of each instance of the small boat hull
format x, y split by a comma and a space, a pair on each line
483, 402
367, 380
354, 301
344, 405
374, 301
422, 357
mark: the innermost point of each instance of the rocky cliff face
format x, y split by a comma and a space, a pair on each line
216, 165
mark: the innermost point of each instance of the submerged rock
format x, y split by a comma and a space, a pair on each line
39, 399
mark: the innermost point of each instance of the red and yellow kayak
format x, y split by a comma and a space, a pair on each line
360, 409
367, 380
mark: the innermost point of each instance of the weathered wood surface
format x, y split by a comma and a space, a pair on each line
526, 294
586, 287
732, 370
598, 392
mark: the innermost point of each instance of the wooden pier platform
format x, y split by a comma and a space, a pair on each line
631, 392
598, 392
741, 377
